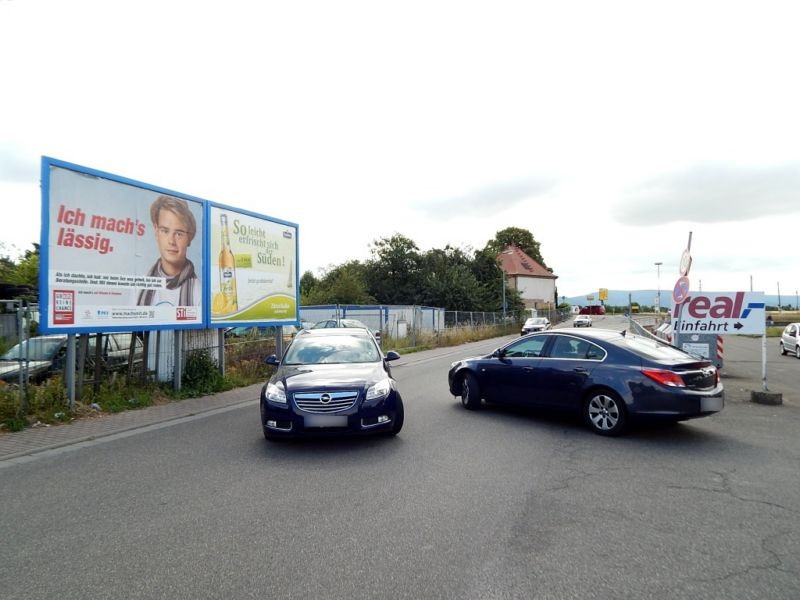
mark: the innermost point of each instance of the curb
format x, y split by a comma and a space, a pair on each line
765, 397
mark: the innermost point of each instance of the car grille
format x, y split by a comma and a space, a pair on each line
325, 402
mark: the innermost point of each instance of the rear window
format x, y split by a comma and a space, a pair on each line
353, 323
651, 348
34, 349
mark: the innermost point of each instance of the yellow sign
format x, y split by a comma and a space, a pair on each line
603, 294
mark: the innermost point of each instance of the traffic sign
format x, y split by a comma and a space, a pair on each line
681, 289
686, 263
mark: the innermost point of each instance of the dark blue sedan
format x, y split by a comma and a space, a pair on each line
331, 381
610, 377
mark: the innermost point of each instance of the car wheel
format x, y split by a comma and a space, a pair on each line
470, 392
399, 417
604, 413
783, 350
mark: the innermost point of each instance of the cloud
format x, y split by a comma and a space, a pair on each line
17, 166
491, 199
713, 193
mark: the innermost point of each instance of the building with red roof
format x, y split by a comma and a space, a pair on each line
536, 285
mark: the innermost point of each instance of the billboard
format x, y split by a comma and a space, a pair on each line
118, 255
252, 269
720, 313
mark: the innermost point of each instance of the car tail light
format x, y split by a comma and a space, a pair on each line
663, 377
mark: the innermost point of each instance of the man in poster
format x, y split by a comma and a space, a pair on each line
174, 227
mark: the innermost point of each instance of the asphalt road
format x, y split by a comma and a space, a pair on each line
490, 504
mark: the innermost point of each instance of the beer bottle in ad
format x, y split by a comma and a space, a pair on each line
227, 269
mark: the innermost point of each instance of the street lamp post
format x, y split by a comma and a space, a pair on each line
503, 283
658, 296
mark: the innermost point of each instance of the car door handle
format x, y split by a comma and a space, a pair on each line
580, 370
527, 369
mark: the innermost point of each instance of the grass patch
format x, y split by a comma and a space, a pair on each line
117, 394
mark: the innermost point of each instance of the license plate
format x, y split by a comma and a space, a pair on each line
714, 403
325, 420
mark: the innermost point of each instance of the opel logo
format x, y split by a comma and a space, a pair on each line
325, 398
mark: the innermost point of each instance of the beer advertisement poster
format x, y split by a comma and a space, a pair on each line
253, 268
118, 255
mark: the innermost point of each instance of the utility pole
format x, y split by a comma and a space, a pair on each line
658, 296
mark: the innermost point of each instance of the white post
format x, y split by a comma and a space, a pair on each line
764, 359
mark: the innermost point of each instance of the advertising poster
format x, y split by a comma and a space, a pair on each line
252, 269
118, 255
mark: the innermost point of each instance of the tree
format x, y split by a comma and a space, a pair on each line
486, 267
394, 273
341, 285
307, 284
521, 238
450, 282
26, 271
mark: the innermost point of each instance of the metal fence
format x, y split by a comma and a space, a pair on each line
162, 355
401, 320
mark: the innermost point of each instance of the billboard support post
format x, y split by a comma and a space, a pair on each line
177, 373
69, 370
221, 351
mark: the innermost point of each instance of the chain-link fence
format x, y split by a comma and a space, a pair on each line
162, 355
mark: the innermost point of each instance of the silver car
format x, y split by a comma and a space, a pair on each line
42, 356
790, 339
535, 324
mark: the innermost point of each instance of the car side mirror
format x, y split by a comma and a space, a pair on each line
272, 360
392, 355
499, 353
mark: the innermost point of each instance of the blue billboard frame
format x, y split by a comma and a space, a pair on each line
207, 262
44, 288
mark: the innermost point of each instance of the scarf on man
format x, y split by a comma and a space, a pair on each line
184, 280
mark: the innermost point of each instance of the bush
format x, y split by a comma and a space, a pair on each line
201, 374
10, 407
48, 399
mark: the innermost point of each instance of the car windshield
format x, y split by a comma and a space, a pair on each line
333, 349
537, 321
34, 349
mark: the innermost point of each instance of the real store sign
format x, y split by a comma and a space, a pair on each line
722, 313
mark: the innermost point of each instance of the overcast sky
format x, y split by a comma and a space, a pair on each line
610, 130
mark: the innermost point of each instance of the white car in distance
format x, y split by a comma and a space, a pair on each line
582, 321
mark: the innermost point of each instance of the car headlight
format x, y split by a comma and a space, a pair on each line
276, 393
379, 390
